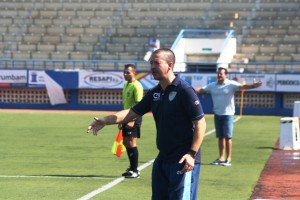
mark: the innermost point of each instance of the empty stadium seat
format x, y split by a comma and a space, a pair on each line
104, 29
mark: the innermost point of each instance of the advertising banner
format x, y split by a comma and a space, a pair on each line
112, 80
104, 79
11, 78
198, 80
147, 80
268, 80
288, 83
36, 78
115, 79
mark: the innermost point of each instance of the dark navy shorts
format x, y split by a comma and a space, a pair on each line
168, 184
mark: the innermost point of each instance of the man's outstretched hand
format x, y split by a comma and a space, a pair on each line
96, 125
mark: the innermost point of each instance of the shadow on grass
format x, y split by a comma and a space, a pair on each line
267, 148
209, 164
77, 176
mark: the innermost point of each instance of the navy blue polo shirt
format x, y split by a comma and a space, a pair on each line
174, 110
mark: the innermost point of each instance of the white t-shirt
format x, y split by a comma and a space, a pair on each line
156, 42
223, 96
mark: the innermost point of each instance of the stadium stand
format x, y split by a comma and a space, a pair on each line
105, 34
266, 31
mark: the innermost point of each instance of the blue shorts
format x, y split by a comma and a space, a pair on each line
224, 126
168, 184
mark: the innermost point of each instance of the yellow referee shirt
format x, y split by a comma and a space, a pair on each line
132, 93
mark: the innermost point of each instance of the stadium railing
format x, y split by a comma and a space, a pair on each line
47, 64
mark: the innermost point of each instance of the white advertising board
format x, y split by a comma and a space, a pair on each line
13, 76
104, 79
10, 78
36, 78
198, 80
288, 83
268, 80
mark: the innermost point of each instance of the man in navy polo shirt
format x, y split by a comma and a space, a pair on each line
180, 127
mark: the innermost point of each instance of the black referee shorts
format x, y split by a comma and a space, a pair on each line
135, 131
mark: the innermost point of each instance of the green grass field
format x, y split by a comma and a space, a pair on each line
49, 156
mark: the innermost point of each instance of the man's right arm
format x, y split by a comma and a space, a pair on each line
123, 116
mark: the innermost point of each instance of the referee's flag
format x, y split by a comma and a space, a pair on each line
118, 148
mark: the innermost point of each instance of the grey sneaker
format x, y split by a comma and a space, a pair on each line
131, 174
226, 163
217, 162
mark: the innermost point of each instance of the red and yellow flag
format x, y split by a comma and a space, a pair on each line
118, 148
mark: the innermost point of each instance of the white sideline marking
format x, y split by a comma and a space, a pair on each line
102, 189
237, 119
111, 184
210, 132
118, 180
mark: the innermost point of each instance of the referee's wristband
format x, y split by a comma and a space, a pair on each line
192, 153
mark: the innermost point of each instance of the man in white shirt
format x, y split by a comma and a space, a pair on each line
154, 44
222, 93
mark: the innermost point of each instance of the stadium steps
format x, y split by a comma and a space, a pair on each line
266, 30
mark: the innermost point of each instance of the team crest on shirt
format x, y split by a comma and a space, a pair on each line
172, 95
156, 96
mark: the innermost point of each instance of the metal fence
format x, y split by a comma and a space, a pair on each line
46, 64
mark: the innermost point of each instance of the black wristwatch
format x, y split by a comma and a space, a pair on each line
192, 153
